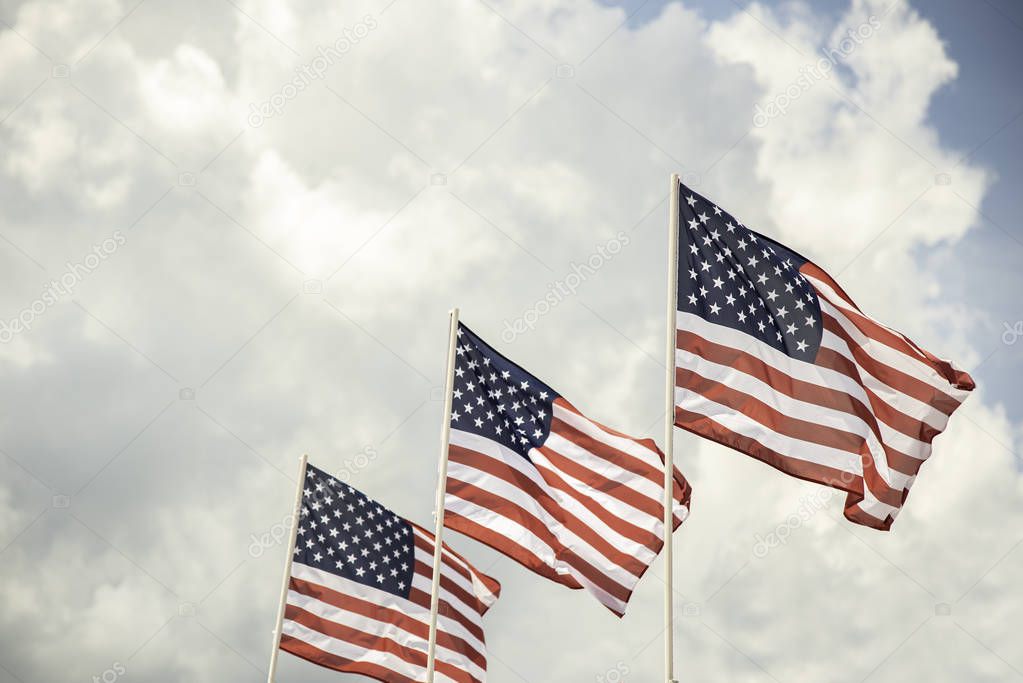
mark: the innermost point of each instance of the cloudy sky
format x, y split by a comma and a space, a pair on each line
209, 270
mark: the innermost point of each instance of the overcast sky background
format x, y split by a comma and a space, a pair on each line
283, 288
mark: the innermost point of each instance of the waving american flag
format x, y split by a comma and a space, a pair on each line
359, 593
774, 360
532, 477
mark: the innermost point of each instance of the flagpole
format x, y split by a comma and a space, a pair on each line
302, 462
669, 429
442, 473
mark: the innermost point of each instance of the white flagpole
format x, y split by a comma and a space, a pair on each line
442, 472
669, 429
302, 462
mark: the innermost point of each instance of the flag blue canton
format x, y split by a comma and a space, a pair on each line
732, 276
344, 532
497, 399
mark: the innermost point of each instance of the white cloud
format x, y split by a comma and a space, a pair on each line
184, 89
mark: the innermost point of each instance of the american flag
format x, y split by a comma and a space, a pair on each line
532, 477
359, 593
774, 360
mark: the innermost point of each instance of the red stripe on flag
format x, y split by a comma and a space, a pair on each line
825, 397
621, 459
511, 510
563, 516
470, 458
794, 428
445, 608
372, 641
448, 584
897, 420
503, 544
706, 427
302, 649
954, 376
457, 562
893, 377
387, 615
